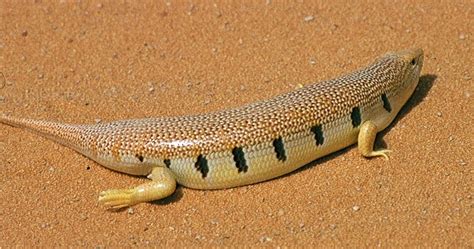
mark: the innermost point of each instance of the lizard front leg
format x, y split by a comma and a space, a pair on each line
366, 139
163, 184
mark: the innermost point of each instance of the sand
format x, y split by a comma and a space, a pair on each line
84, 62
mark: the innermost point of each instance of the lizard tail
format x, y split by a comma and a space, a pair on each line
66, 134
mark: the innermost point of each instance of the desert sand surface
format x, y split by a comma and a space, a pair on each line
98, 61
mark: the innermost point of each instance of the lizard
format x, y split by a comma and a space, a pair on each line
248, 144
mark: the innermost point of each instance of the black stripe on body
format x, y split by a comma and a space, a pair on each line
140, 157
355, 116
279, 149
239, 159
201, 165
167, 163
386, 103
317, 130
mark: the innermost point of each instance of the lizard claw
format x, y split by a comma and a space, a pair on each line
383, 153
117, 198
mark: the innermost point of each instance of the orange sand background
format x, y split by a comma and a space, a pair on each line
83, 62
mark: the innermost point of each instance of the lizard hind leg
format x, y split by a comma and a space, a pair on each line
366, 139
163, 184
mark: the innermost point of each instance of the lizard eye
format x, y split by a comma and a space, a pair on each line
413, 62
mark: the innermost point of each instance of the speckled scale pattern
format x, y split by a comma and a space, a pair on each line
172, 137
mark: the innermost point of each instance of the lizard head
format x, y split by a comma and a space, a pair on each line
405, 66
412, 60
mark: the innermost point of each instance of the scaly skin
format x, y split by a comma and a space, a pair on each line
245, 145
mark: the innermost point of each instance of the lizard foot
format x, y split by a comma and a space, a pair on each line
162, 184
117, 198
382, 153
